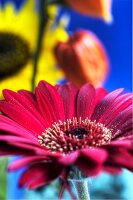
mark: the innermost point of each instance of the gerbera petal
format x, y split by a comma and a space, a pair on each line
7, 149
46, 108
121, 158
96, 154
85, 101
112, 169
105, 103
24, 161
10, 138
100, 94
36, 149
120, 104
121, 118
121, 143
128, 124
13, 128
91, 169
126, 136
68, 94
22, 116
69, 159
43, 174
38, 182
30, 96
90, 161
126, 128
120, 154
114, 106
52, 98
21, 101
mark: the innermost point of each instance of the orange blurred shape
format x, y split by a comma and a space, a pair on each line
95, 8
82, 58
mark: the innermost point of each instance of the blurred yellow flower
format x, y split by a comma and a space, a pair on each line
23, 25
47, 66
23, 22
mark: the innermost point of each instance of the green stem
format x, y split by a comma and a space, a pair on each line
42, 25
60, 2
81, 188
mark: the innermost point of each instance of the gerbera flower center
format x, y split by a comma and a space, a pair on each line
74, 134
14, 53
78, 132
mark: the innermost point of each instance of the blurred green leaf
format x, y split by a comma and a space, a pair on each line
3, 178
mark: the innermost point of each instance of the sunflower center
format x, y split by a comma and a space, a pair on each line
14, 54
74, 134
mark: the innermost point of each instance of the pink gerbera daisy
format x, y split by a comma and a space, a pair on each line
60, 128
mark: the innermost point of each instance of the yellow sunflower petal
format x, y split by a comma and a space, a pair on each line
47, 66
23, 22
26, 22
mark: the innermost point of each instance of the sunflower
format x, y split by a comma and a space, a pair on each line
17, 46
55, 32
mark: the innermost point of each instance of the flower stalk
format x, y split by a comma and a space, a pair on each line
81, 189
42, 25
79, 182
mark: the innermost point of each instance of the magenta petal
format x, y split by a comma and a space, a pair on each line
105, 103
126, 131
38, 182
7, 149
22, 116
112, 169
46, 108
91, 161
21, 148
43, 174
89, 169
85, 101
52, 98
18, 139
13, 128
69, 159
30, 96
21, 162
119, 155
16, 131
123, 160
116, 124
120, 104
20, 100
35, 149
121, 143
114, 106
128, 124
96, 154
100, 94
68, 94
